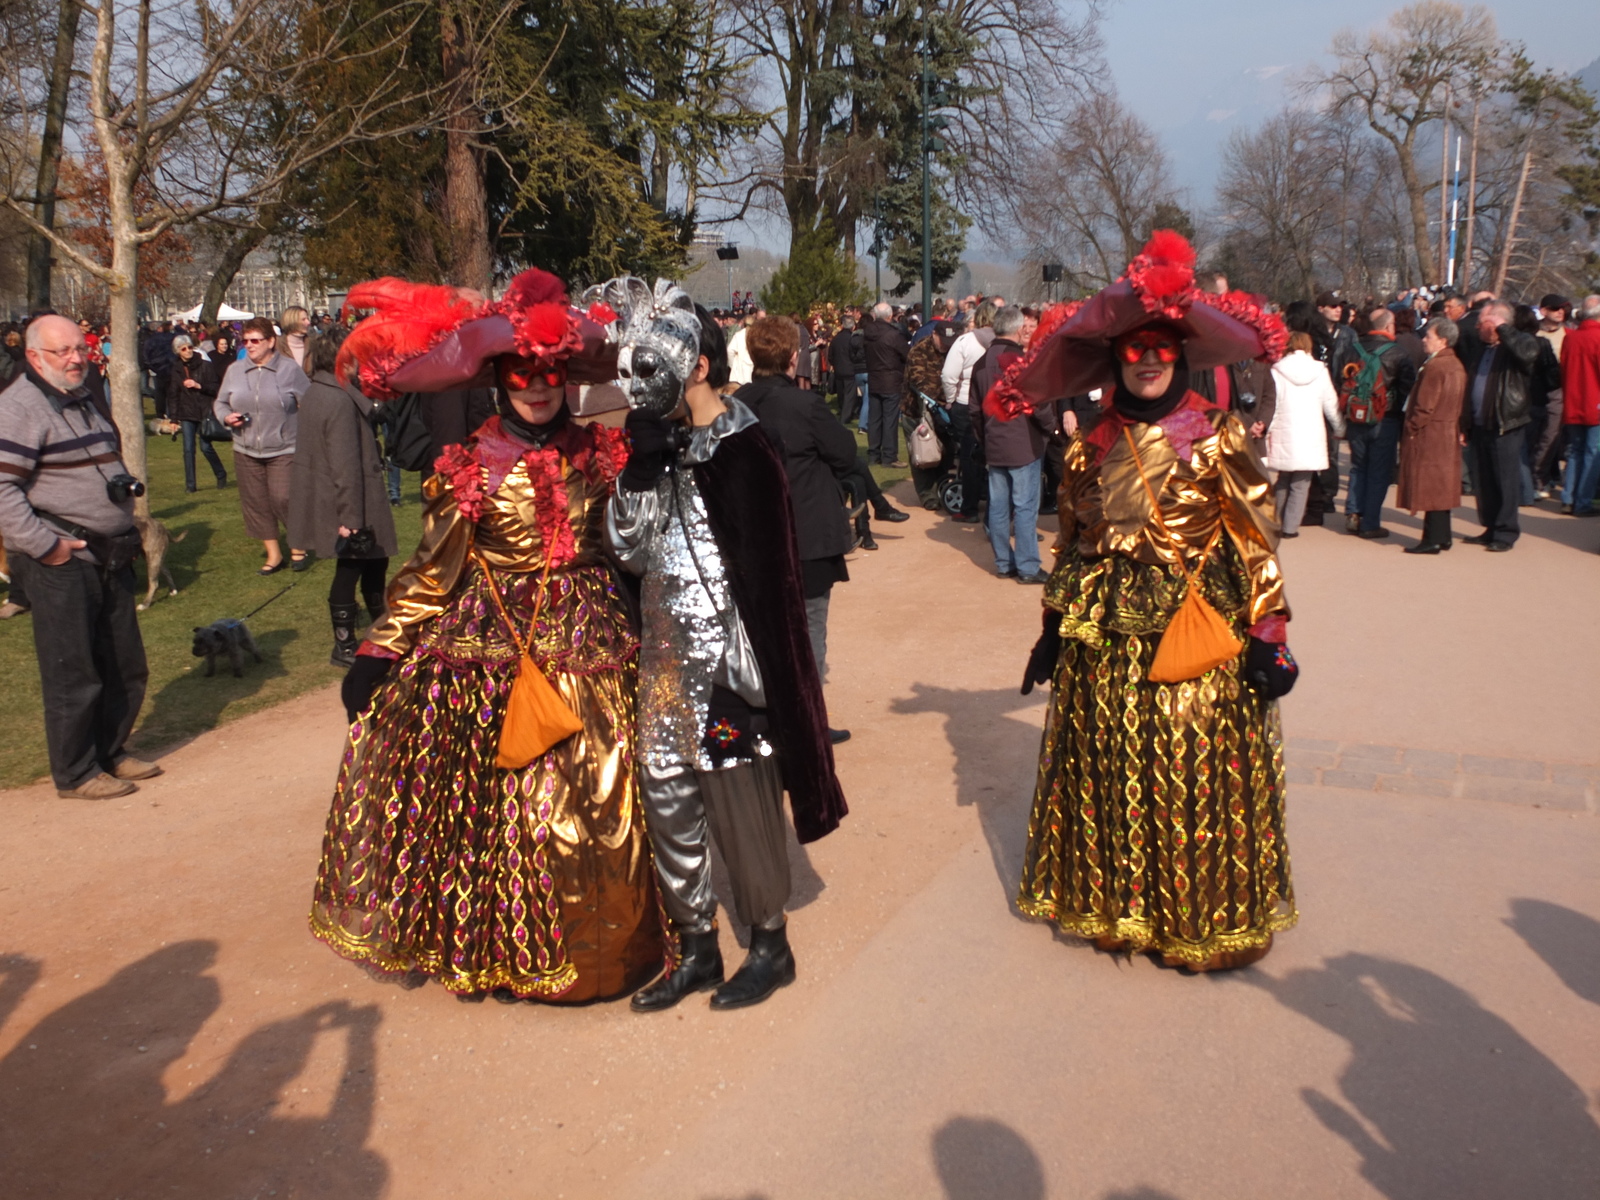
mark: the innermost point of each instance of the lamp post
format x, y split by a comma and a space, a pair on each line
729, 254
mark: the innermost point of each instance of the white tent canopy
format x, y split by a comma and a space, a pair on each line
223, 314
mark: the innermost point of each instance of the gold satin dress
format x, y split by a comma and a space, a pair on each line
1159, 813
439, 863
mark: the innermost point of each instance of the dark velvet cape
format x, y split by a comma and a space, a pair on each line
746, 493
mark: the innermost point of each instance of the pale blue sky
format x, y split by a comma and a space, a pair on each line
1195, 71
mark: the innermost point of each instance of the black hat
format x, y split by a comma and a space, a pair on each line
1555, 301
1328, 300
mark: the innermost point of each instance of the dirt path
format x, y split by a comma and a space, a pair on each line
168, 1028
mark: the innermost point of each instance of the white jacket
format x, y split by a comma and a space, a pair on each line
956, 377
1296, 439
741, 368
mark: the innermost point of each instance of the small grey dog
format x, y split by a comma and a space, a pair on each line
226, 636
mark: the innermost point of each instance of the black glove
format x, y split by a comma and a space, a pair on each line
1042, 661
1270, 668
650, 446
360, 681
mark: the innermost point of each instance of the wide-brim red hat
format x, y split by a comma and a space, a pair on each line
1070, 353
434, 338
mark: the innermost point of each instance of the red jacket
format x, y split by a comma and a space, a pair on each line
1580, 375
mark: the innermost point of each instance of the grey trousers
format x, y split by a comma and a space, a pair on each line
817, 627
1291, 490
742, 808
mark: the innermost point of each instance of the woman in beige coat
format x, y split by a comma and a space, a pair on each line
1430, 450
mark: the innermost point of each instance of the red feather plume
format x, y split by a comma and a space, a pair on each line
408, 320
544, 326
1163, 274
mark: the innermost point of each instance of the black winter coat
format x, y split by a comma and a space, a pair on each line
192, 404
1399, 372
1509, 392
886, 350
817, 452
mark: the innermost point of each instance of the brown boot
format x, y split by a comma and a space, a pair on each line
98, 787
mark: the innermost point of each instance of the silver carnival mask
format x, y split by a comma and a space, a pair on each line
658, 340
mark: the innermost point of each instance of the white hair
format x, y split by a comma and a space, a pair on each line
881, 311
1591, 308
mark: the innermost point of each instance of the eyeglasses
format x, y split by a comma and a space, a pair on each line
255, 341
69, 353
518, 375
1134, 347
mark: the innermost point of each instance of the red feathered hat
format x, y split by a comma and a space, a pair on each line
431, 338
1074, 356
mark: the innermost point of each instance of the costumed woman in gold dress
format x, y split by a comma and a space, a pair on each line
532, 881
1158, 823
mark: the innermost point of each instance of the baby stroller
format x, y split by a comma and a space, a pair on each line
933, 453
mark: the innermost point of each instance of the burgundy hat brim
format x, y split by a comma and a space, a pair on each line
1077, 357
465, 357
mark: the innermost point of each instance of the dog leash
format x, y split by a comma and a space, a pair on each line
264, 603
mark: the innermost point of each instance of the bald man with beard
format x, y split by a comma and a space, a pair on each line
66, 513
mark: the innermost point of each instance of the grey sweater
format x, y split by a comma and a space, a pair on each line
270, 396
56, 453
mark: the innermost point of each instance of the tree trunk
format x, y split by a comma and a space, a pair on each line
1511, 225
55, 117
1421, 242
466, 194
228, 266
127, 405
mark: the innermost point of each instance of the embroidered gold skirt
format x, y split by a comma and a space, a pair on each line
438, 863
1159, 812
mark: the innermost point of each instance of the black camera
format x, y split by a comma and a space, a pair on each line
123, 487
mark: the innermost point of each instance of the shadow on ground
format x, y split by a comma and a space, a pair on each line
85, 1110
191, 703
997, 761
982, 1159
1568, 941
1441, 1097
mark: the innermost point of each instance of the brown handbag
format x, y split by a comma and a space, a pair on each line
536, 716
1196, 638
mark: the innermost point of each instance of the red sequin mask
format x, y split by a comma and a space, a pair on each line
1132, 347
519, 374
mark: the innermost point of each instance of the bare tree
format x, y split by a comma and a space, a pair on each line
1275, 194
1088, 198
1398, 78
202, 130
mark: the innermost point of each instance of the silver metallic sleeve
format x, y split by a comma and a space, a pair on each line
633, 520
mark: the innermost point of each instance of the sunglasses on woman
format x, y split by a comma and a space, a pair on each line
1133, 347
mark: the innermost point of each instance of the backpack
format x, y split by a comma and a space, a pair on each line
1363, 391
407, 439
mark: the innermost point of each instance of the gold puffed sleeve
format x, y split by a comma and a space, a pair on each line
1250, 516
423, 587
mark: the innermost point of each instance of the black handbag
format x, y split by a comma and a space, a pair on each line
360, 543
213, 430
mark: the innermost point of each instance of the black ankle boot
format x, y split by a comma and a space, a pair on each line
344, 633
699, 968
768, 967
375, 605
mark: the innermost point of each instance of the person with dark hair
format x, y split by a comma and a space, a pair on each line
338, 507
1544, 401
258, 399
731, 711
463, 845
1158, 819
818, 453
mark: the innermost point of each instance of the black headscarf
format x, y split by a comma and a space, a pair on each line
524, 431
1147, 412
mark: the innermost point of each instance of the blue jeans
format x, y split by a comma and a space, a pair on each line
1361, 439
866, 399
1382, 455
1578, 485
1014, 509
191, 437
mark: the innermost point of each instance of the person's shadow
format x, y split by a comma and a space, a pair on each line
86, 1107
1441, 1097
1568, 941
997, 762
982, 1159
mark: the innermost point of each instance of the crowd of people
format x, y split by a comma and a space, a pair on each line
609, 650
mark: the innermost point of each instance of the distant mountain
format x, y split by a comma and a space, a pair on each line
1590, 77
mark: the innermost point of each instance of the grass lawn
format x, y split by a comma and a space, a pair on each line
215, 570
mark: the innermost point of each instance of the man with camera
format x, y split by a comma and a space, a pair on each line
66, 513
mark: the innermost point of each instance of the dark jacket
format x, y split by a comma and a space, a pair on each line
192, 404
817, 452
1508, 392
1252, 394
1020, 441
845, 353
452, 417
886, 352
747, 503
338, 472
1399, 372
